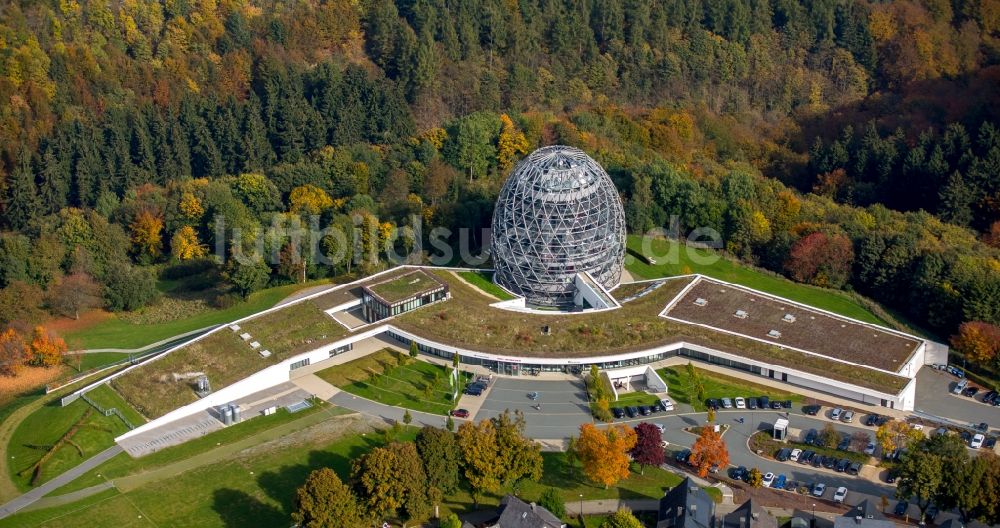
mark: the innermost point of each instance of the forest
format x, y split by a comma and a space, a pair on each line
843, 143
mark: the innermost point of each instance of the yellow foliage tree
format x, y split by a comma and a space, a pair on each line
184, 245
46, 348
604, 453
147, 233
190, 206
309, 199
511, 142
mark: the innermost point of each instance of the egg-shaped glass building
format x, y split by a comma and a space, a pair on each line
558, 214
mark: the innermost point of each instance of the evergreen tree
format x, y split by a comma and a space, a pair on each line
21, 194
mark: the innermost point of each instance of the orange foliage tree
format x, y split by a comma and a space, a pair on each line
309, 199
147, 233
46, 348
977, 341
12, 352
604, 453
708, 450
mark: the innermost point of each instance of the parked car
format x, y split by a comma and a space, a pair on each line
960, 386
473, 391
970, 392
712, 403
901, 508
796, 453
990, 443
845, 444
847, 417
871, 419
956, 371
989, 396
667, 404
811, 410
982, 427
776, 404
810, 438
768, 479
818, 489
840, 495
741, 403
655, 408
806, 456
854, 468
727, 403
683, 455
783, 454
835, 413
460, 413
643, 410
891, 476
842, 465
830, 462
932, 512
617, 412
751, 403
763, 401
661, 427
631, 411
779, 483
965, 436
977, 441
870, 449
818, 461
882, 420
786, 404
739, 473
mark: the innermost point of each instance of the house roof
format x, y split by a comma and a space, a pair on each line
749, 515
864, 515
686, 506
515, 513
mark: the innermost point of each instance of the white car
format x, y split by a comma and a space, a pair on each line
870, 448
661, 427
848, 416
840, 495
741, 403
977, 441
819, 489
835, 413
767, 480
667, 404
794, 457
727, 403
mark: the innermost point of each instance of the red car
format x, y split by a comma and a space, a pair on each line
460, 413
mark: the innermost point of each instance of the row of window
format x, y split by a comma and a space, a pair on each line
375, 310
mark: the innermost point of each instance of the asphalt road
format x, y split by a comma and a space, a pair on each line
934, 397
562, 405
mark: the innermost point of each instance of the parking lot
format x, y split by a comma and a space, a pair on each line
562, 405
934, 397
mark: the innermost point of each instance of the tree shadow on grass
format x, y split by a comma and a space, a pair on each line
281, 484
238, 509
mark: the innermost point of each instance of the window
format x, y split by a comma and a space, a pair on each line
299, 364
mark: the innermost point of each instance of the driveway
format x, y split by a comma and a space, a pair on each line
563, 405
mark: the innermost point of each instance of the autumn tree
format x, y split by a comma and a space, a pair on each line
323, 501
920, 477
977, 341
604, 453
755, 478
896, 434
13, 352
309, 200
496, 453
73, 293
648, 450
821, 260
511, 143
622, 518
828, 436
709, 450
392, 478
184, 245
147, 234
552, 500
46, 349
859, 441
248, 277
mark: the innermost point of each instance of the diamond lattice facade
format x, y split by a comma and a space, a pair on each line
558, 214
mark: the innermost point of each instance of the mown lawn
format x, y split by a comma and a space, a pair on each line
682, 390
484, 281
676, 259
635, 398
82, 362
394, 379
109, 398
116, 333
45, 427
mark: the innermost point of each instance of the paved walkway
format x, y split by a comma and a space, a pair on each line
24, 500
387, 412
316, 386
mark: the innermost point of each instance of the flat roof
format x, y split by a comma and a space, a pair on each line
765, 317
405, 286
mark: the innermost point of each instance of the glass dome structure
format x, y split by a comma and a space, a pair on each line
558, 214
